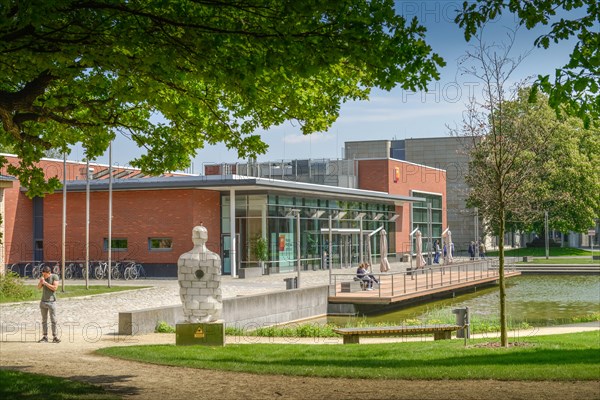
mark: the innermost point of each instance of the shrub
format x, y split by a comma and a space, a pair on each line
12, 287
163, 327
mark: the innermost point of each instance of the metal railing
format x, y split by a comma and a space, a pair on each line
423, 279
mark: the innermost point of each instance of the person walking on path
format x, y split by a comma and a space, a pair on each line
472, 250
481, 250
48, 283
438, 251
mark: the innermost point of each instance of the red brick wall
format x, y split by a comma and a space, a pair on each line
133, 213
137, 216
380, 175
18, 232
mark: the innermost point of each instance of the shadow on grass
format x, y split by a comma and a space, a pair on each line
534, 357
16, 384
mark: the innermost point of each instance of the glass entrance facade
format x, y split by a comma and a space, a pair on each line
273, 217
420, 219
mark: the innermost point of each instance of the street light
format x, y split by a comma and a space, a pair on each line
394, 218
339, 215
359, 217
317, 213
291, 213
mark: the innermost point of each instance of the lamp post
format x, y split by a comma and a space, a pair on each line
547, 242
476, 249
109, 213
430, 239
64, 222
359, 218
87, 224
296, 212
330, 258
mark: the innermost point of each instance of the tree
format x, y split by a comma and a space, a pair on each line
576, 85
507, 149
569, 183
174, 75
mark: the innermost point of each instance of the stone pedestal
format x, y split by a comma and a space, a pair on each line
205, 334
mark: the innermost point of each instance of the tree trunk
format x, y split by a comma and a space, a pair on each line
503, 327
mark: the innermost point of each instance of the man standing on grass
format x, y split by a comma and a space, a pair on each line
48, 283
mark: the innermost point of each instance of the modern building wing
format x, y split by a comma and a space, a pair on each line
153, 217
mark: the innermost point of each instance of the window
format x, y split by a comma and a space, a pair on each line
160, 244
420, 219
118, 244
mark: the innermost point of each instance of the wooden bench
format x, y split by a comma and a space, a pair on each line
440, 332
355, 285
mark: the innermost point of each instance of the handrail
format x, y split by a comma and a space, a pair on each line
450, 274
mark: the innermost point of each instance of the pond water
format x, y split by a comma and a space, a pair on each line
539, 300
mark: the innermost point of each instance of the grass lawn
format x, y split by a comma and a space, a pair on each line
556, 357
541, 252
563, 260
70, 291
24, 385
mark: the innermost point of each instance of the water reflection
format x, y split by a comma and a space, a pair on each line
537, 299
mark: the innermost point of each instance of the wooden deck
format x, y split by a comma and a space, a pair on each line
398, 287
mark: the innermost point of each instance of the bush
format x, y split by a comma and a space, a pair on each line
13, 288
163, 327
540, 242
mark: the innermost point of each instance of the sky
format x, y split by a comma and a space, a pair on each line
398, 114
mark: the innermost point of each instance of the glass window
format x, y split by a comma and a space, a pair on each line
160, 244
419, 215
117, 244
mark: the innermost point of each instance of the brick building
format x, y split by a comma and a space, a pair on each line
153, 216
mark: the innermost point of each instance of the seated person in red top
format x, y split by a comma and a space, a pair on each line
363, 275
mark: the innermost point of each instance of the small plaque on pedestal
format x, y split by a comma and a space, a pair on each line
205, 334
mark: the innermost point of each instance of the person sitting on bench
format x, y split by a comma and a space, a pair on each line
362, 274
369, 270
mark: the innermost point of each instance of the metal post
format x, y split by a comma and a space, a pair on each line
330, 249
87, 224
360, 241
232, 233
546, 234
476, 249
64, 222
110, 214
298, 248
430, 229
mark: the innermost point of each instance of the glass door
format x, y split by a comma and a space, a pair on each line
226, 253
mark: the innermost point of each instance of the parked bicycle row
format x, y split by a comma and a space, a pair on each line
128, 269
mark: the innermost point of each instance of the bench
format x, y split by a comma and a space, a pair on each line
440, 332
353, 286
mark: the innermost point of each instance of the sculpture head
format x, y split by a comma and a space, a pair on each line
199, 235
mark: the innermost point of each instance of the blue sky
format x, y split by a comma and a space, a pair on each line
397, 114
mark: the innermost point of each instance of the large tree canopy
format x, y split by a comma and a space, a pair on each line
175, 75
576, 85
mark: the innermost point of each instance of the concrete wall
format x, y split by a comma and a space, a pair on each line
367, 149
244, 312
448, 153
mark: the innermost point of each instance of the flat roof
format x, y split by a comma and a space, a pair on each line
240, 183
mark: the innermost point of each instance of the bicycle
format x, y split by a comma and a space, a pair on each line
100, 270
130, 272
36, 271
71, 270
13, 268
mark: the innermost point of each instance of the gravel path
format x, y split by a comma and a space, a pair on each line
90, 323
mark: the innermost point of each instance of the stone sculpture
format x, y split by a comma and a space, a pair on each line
199, 275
